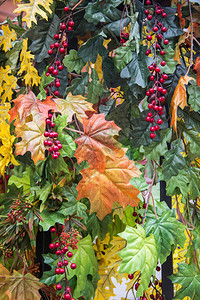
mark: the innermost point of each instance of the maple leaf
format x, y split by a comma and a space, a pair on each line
31, 76
98, 141
32, 134
103, 189
197, 69
29, 104
7, 38
18, 286
179, 98
7, 83
4, 109
73, 105
32, 8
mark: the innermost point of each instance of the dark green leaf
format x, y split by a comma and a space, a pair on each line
170, 66
73, 62
194, 96
123, 56
172, 23
78, 86
95, 89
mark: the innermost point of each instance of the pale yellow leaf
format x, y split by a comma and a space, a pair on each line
7, 83
7, 38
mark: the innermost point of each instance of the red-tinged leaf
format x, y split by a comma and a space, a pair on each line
32, 134
197, 69
98, 141
29, 104
103, 189
179, 98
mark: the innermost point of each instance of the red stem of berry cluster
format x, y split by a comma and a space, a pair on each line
156, 93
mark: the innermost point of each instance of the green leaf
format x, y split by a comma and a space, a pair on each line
95, 89
167, 232
87, 266
23, 181
66, 140
42, 37
49, 277
191, 118
18, 29
13, 55
73, 62
98, 228
58, 165
90, 49
74, 207
128, 216
78, 85
50, 218
123, 56
170, 66
192, 137
45, 80
171, 22
189, 279
139, 254
157, 149
194, 95
174, 161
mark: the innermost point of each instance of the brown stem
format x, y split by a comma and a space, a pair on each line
74, 74
74, 130
77, 4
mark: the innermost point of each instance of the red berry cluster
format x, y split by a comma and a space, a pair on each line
64, 260
18, 210
156, 93
59, 48
124, 37
53, 144
138, 217
70, 239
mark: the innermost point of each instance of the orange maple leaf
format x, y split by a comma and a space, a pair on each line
197, 69
98, 141
179, 98
32, 134
103, 189
29, 104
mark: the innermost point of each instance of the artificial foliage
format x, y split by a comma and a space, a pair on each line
99, 103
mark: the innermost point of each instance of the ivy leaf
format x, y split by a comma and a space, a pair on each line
95, 89
73, 62
32, 134
87, 267
79, 85
189, 279
29, 104
167, 232
98, 228
179, 98
74, 207
66, 140
156, 149
104, 188
123, 56
23, 181
7, 38
193, 138
194, 95
50, 218
98, 142
140, 254
170, 66
73, 105
32, 8
42, 36
90, 49
174, 161
45, 80
172, 23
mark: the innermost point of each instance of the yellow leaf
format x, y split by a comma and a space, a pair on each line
7, 83
73, 105
7, 38
32, 8
26, 57
4, 109
181, 40
179, 98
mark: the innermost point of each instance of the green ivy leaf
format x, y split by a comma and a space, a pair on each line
170, 66
171, 22
194, 96
123, 56
45, 80
23, 181
167, 232
73, 62
95, 89
90, 49
49, 277
50, 218
139, 254
79, 85
174, 161
193, 138
66, 140
128, 216
74, 207
189, 279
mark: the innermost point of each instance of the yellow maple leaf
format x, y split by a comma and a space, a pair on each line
32, 8
6, 148
7, 83
7, 38
26, 57
4, 109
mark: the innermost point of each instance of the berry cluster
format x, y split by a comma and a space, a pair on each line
138, 217
53, 144
18, 210
64, 255
124, 37
59, 48
70, 239
156, 93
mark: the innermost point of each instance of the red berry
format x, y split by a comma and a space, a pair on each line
47, 74
155, 28
55, 72
65, 262
56, 93
160, 108
55, 148
151, 78
52, 124
146, 11
1, 181
162, 52
164, 29
135, 214
67, 297
152, 296
162, 80
55, 156
7, 177
66, 9
60, 146
161, 99
58, 287
150, 106
157, 127
165, 77
69, 254
56, 45
149, 37
158, 11
159, 89
137, 286
149, 17
65, 44
11, 166
68, 289
144, 205
166, 42
57, 63
60, 68
148, 119
156, 282
57, 271
147, 53
56, 36
50, 143
57, 153
57, 245
55, 134
58, 252
57, 84
164, 91
71, 23
158, 268
151, 68
69, 28
46, 143
50, 52
148, 93
52, 246
62, 271
62, 50
52, 46
59, 264
149, 114
160, 121
152, 129
160, 113
164, 15
151, 90
63, 26
49, 116
148, 2
159, 36
53, 229
73, 266
155, 107
130, 276
152, 135
163, 63
157, 46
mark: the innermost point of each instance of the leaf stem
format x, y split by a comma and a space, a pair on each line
74, 130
